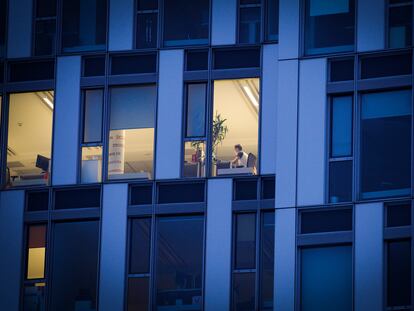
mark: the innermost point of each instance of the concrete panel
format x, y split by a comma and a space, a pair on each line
369, 256
11, 245
121, 24
224, 22
370, 25
113, 247
170, 112
218, 245
268, 109
66, 121
286, 133
312, 132
19, 37
289, 31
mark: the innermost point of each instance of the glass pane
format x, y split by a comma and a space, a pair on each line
131, 136
326, 221
194, 159
329, 26
45, 34
140, 246
179, 263
74, 266
399, 214
245, 189
399, 274
196, 60
134, 64
186, 22
340, 181
84, 25
386, 144
138, 294
36, 252
243, 291
31, 70
181, 192
267, 265
245, 241
29, 138
249, 28
341, 70
91, 170
386, 65
146, 34
196, 109
272, 20
147, 5
45, 8
77, 198
94, 66
326, 279
400, 22
235, 127
141, 195
268, 188
341, 128
237, 58
34, 297
92, 131
37, 201
3, 13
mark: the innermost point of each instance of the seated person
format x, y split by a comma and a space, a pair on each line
240, 159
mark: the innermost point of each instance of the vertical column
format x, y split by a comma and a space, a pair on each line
66, 121
218, 245
268, 109
312, 128
370, 25
19, 37
121, 24
11, 245
224, 22
286, 133
285, 258
169, 115
289, 31
113, 247
369, 256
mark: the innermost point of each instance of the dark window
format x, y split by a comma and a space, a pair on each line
399, 274
3, 14
84, 25
241, 58
272, 20
341, 70
326, 221
74, 265
341, 126
77, 198
140, 246
186, 22
196, 109
94, 66
180, 193
399, 214
245, 241
147, 20
243, 291
24, 71
45, 27
388, 65
326, 279
196, 60
340, 181
34, 296
138, 294
141, 195
245, 189
133, 64
92, 128
249, 21
1, 70
268, 188
37, 201
386, 144
400, 20
329, 26
267, 250
179, 262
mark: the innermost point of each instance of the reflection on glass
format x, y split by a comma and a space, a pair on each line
272, 20
91, 170
36, 251
243, 291
92, 130
249, 31
131, 136
341, 128
245, 247
235, 126
34, 297
267, 260
29, 138
196, 109
179, 263
400, 20
45, 27
340, 181
140, 246
138, 294
194, 159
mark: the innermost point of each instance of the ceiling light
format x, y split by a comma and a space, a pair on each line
250, 95
48, 102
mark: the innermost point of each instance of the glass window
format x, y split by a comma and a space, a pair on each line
186, 22
91, 167
45, 27
3, 14
181, 192
74, 266
400, 20
329, 26
29, 138
147, 20
326, 279
36, 252
340, 181
268, 188
243, 291
398, 214
92, 129
77, 198
341, 128
267, 249
84, 25
272, 20
249, 21
386, 144
131, 136
138, 294
399, 274
245, 241
341, 70
194, 158
235, 126
196, 60
141, 194
134, 64
37, 201
94, 66
34, 296
179, 262
386, 65
317, 221
236, 58
196, 109
245, 189
31, 70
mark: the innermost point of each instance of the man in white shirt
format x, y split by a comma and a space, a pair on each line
240, 159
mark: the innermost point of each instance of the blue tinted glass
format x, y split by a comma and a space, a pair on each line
243, 291
179, 263
267, 260
34, 297
386, 144
272, 20
45, 37
249, 31
341, 131
146, 34
340, 181
245, 240
400, 20
326, 279
140, 246
196, 109
92, 131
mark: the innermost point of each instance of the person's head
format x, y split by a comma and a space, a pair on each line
238, 148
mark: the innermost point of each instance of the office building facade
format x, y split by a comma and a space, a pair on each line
206, 155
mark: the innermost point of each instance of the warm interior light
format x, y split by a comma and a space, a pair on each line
48, 102
36, 263
249, 93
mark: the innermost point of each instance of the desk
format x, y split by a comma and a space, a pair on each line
236, 171
141, 175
